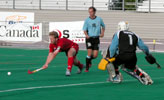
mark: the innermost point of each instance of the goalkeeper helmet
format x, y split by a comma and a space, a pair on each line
122, 26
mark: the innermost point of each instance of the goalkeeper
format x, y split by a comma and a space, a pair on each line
122, 51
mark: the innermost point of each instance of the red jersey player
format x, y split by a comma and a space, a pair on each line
63, 45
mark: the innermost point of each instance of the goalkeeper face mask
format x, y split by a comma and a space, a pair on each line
122, 26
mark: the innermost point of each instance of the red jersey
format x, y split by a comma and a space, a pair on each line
63, 45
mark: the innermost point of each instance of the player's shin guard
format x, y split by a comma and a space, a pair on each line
70, 63
88, 62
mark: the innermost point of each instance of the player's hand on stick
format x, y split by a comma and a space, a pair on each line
45, 66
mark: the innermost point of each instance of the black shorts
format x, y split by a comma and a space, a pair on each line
129, 60
108, 53
93, 43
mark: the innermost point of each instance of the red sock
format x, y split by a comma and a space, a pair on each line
79, 64
117, 71
70, 62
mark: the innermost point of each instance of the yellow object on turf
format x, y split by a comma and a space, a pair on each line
104, 62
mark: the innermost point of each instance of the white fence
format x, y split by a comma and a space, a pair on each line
138, 5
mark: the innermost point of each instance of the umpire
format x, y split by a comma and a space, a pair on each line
93, 28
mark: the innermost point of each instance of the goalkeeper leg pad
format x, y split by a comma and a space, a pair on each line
111, 71
147, 78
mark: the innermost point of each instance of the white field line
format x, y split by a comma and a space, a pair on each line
160, 51
58, 86
159, 43
110, 42
153, 43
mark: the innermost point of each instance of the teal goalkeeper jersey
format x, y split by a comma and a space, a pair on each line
93, 26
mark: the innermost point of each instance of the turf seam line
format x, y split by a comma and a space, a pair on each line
23, 68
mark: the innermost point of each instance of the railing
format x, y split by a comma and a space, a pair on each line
134, 5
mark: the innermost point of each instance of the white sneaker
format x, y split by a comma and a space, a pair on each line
68, 72
117, 78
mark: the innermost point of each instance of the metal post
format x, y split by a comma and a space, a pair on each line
108, 4
92, 3
136, 4
13, 4
40, 4
149, 6
123, 5
66, 5
154, 42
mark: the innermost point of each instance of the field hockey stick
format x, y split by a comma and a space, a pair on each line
31, 72
158, 65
